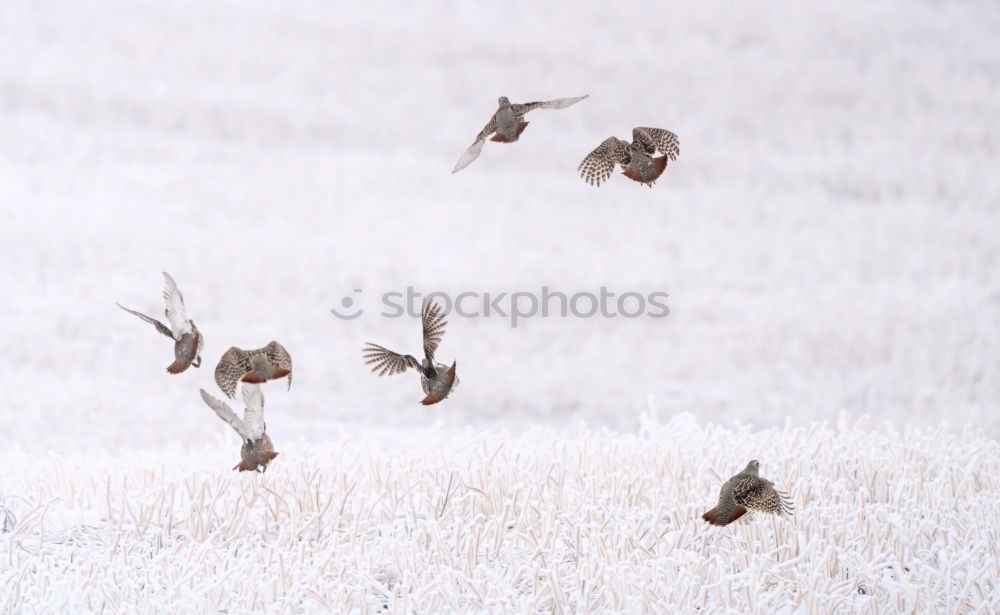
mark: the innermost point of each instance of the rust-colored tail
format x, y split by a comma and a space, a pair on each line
431, 399
177, 367
499, 138
712, 516
246, 466
659, 164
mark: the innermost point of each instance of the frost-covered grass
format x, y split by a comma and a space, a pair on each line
827, 237
588, 522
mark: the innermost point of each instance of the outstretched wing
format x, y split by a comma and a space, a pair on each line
764, 497
224, 412
277, 355
654, 140
469, 155
280, 359
253, 416
162, 328
176, 315
233, 365
559, 103
432, 317
386, 362
600, 163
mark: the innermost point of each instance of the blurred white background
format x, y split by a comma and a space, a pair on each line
828, 237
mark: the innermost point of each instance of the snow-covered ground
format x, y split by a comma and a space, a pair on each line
547, 522
828, 238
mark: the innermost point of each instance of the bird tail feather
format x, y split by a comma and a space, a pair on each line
499, 138
177, 367
712, 516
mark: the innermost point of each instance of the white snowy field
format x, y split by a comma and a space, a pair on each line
829, 239
592, 522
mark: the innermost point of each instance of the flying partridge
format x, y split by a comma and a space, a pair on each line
748, 491
636, 159
257, 450
188, 341
255, 366
507, 124
436, 379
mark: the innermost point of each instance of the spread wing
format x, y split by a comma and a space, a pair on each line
233, 365
162, 328
224, 412
386, 362
600, 163
279, 358
253, 416
559, 103
764, 497
432, 317
175, 308
654, 140
469, 155
277, 355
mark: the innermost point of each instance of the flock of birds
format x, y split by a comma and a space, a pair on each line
746, 491
254, 367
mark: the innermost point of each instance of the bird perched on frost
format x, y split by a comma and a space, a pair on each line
507, 124
188, 341
748, 491
636, 159
257, 450
256, 366
437, 379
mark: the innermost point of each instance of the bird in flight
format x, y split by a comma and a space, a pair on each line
637, 159
436, 379
254, 366
507, 124
257, 450
188, 341
748, 491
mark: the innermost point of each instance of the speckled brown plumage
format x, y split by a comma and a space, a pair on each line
748, 491
255, 366
188, 340
437, 379
257, 450
637, 159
